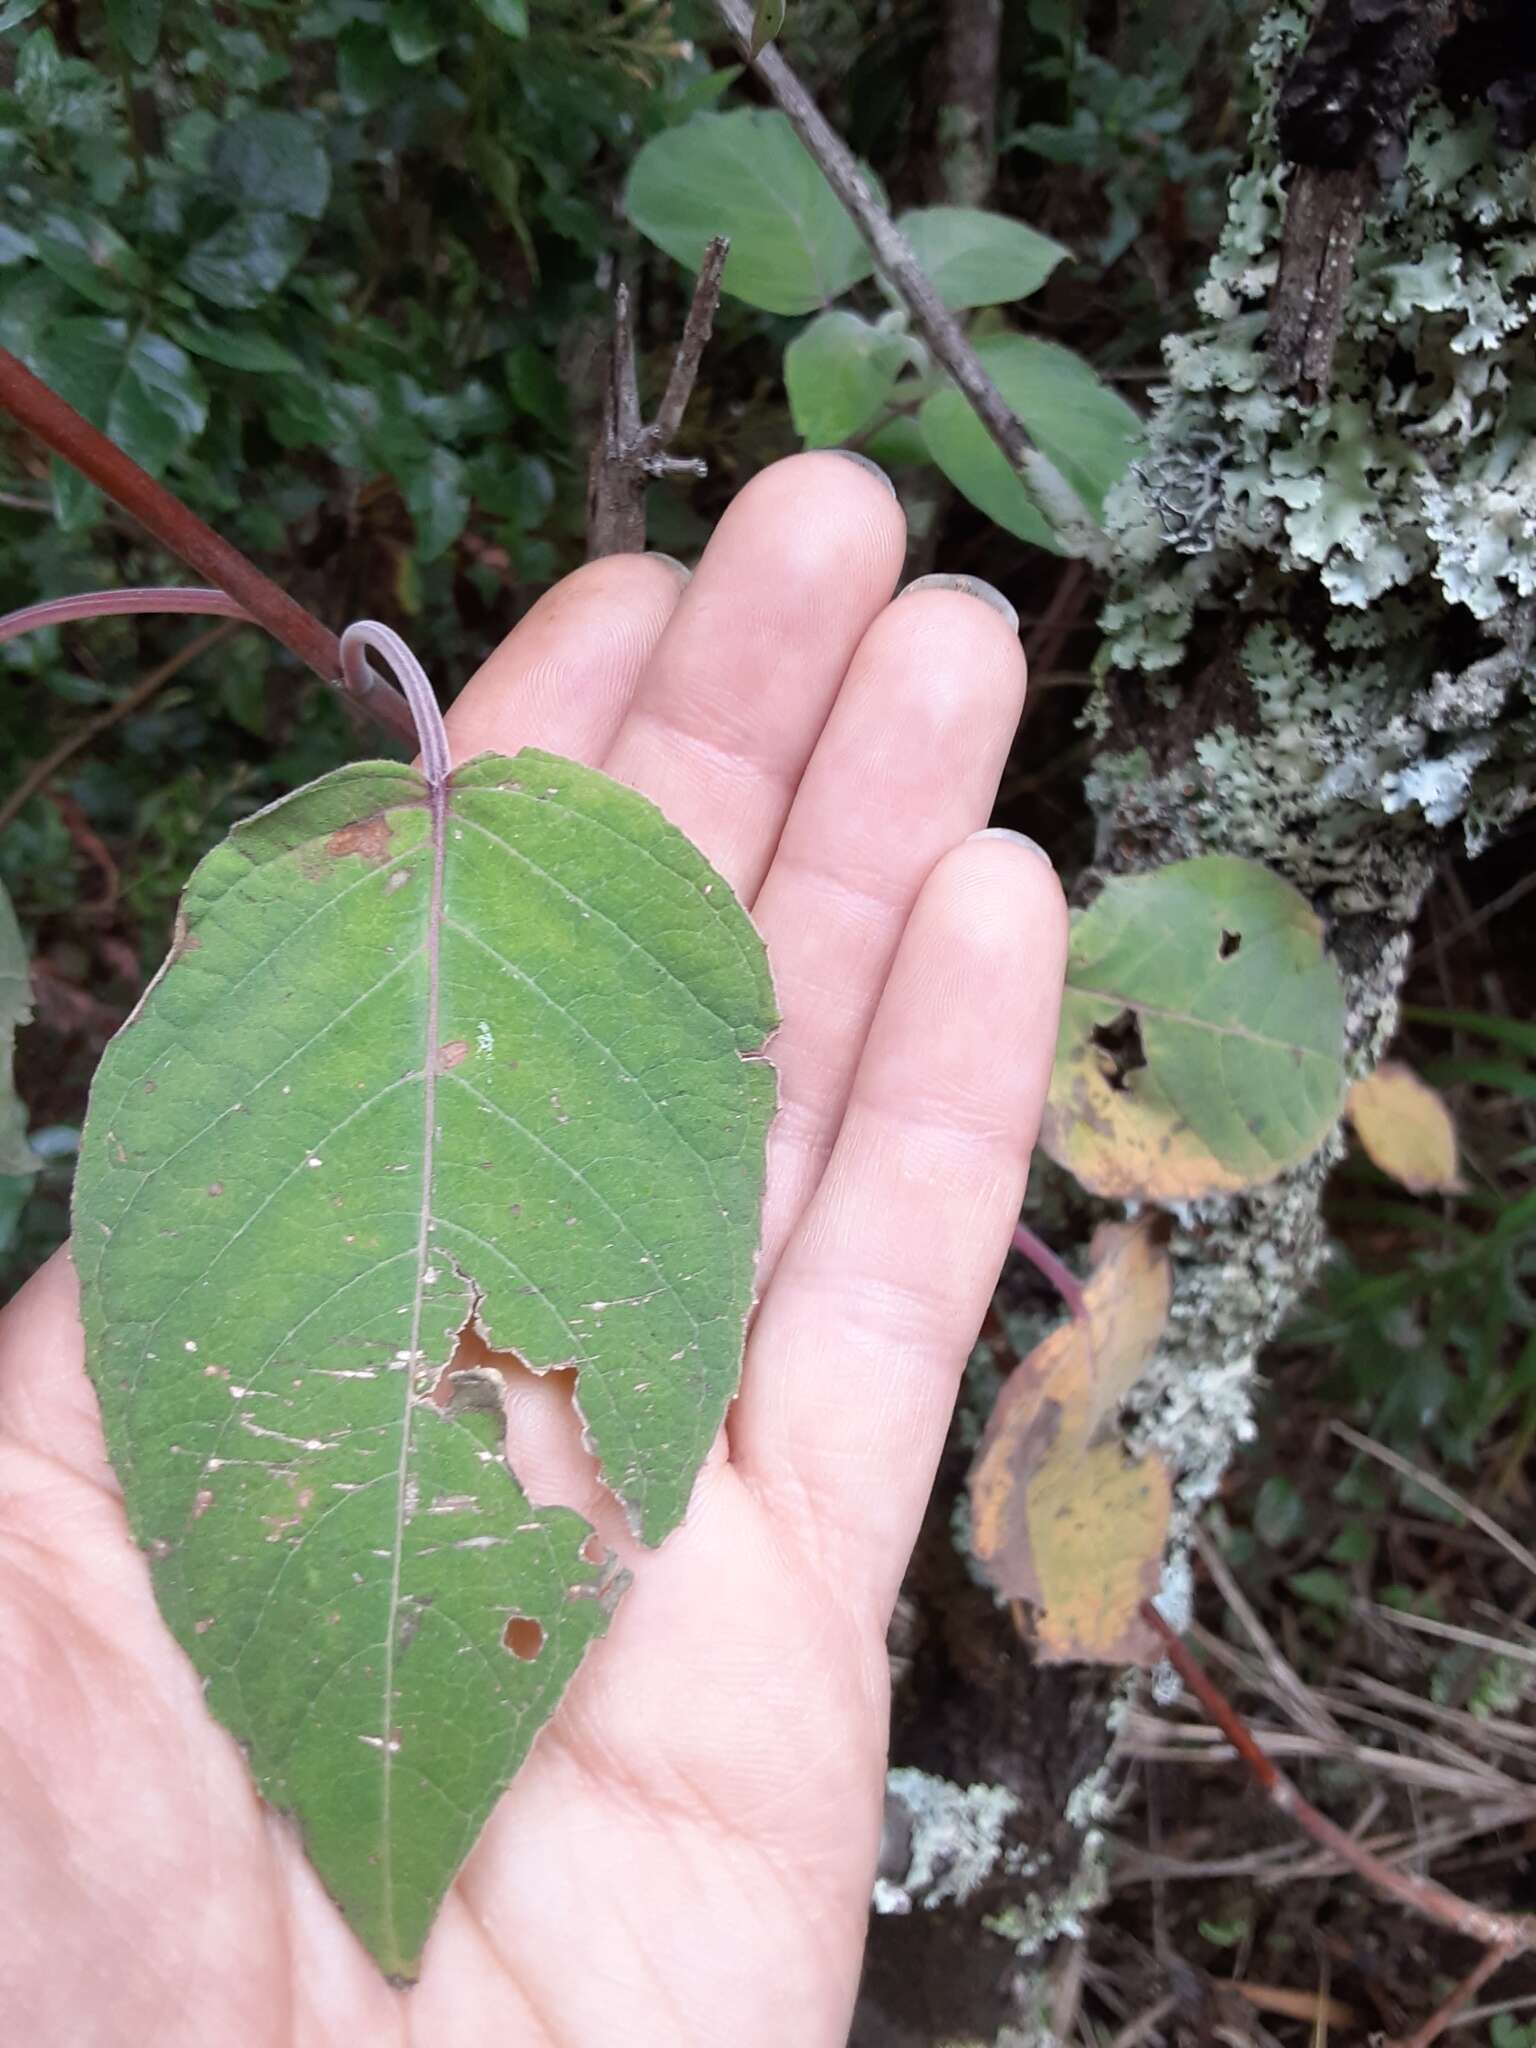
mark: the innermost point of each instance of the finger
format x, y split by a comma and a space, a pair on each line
730, 706
46, 1401
907, 766
564, 676
858, 1348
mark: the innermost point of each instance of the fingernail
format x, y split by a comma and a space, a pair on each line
1018, 838
968, 586
682, 568
853, 455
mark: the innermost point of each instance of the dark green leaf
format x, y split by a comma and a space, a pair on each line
135, 27
417, 29
16, 1156
91, 257
140, 389
748, 175
14, 12
235, 347
272, 161
438, 502
510, 16
974, 258
241, 264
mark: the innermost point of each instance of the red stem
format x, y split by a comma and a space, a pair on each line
1046, 1263
59, 427
1507, 1932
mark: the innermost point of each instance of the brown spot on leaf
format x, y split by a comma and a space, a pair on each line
523, 1637
368, 838
450, 1055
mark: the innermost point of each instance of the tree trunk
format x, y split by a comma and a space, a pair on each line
1317, 654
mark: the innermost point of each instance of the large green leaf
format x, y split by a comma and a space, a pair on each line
413, 1063
1086, 429
1202, 1034
242, 263
141, 389
16, 1155
974, 258
838, 372
748, 175
272, 160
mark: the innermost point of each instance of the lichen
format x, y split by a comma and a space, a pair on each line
959, 1841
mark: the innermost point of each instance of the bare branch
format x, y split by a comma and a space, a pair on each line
628, 451
1053, 495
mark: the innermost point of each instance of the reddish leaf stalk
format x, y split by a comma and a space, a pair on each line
59, 427
1508, 1933
1046, 1263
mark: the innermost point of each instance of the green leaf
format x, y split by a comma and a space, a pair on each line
1081, 425
236, 348
438, 500
134, 26
748, 175
839, 372
974, 258
91, 257
1322, 1588
1279, 1513
409, 1065
416, 30
242, 263
14, 12
767, 25
273, 161
16, 1156
1201, 1047
510, 16
143, 391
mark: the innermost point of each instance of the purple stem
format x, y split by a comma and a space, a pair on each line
367, 636
95, 604
1045, 1261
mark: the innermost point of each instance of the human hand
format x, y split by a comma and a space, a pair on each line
687, 1855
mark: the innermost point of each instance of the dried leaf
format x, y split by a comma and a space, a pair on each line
1058, 1517
1406, 1129
1202, 1034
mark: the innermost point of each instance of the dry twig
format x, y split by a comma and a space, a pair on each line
629, 452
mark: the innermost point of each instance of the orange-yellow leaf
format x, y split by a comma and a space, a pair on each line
1058, 1517
1406, 1129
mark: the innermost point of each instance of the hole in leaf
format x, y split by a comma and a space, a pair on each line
523, 1637
1120, 1041
1230, 941
594, 1550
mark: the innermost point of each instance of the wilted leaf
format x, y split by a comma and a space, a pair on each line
975, 258
838, 373
395, 1076
1202, 1034
1406, 1129
16, 1156
1058, 1517
749, 176
1084, 428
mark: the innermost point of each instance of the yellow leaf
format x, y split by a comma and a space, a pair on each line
1406, 1129
1058, 1518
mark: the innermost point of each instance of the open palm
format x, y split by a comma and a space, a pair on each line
686, 1857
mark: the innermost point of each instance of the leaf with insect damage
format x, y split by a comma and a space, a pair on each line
415, 1063
1059, 1518
1201, 1047
1406, 1129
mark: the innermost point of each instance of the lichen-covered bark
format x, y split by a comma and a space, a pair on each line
1318, 648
